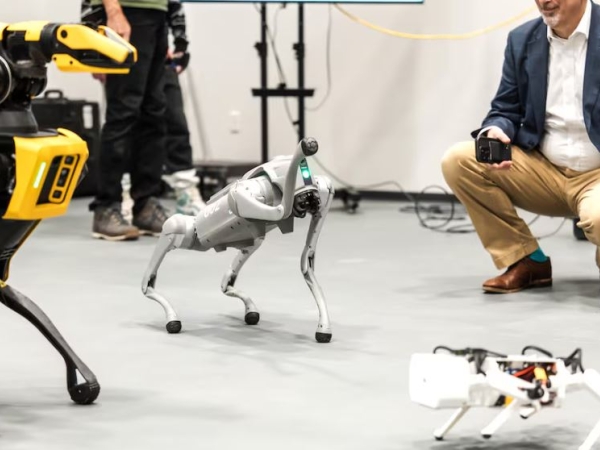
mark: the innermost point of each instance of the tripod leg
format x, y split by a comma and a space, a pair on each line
84, 393
307, 264
251, 316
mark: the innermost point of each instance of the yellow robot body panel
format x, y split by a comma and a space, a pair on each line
47, 172
66, 63
78, 37
32, 29
76, 47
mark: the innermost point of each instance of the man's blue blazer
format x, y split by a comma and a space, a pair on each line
519, 106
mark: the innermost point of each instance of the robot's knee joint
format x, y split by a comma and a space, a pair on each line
228, 282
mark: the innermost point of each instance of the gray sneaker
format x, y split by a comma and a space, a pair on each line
151, 218
109, 224
185, 185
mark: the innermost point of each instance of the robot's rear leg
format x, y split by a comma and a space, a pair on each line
81, 393
178, 232
251, 315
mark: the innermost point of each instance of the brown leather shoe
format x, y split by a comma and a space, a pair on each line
523, 274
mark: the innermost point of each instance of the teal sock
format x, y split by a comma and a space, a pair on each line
538, 256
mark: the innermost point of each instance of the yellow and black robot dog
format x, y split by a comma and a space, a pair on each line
39, 169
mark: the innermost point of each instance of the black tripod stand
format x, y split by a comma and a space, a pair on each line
350, 197
283, 91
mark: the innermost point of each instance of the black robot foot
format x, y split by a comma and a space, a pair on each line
252, 318
439, 438
174, 326
84, 393
487, 436
323, 338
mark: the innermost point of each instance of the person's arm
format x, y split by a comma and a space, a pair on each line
115, 18
504, 116
177, 25
505, 112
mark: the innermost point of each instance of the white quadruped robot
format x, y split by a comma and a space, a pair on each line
240, 215
526, 383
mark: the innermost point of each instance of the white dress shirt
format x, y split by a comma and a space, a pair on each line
566, 142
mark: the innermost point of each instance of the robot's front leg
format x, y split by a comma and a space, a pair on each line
177, 232
500, 419
444, 429
251, 315
81, 393
323, 334
591, 380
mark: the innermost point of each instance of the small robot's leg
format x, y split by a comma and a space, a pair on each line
500, 419
444, 429
251, 315
591, 379
83, 393
323, 334
177, 232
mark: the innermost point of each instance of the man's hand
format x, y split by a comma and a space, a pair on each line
119, 23
497, 133
171, 61
116, 20
178, 60
101, 77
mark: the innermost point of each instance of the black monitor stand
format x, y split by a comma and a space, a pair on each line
264, 92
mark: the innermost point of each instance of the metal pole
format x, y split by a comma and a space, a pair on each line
202, 136
263, 84
301, 125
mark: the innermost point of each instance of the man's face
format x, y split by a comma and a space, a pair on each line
560, 12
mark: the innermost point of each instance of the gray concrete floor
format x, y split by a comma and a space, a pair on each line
393, 288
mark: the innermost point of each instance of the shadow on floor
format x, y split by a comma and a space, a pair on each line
536, 438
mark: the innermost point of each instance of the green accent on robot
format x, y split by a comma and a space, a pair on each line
305, 171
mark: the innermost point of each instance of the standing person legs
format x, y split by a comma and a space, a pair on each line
180, 174
149, 36
125, 95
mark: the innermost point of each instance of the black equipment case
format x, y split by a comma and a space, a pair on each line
82, 117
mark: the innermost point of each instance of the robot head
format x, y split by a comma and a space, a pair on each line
306, 200
310, 146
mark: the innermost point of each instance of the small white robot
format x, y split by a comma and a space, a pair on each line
269, 196
526, 383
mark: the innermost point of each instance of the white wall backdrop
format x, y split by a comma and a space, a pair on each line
395, 104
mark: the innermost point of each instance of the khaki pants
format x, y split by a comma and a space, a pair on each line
533, 184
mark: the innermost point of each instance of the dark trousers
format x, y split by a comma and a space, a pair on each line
134, 130
179, 149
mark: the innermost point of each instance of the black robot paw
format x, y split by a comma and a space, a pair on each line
174, 326
323, 338
252, 318
84, 393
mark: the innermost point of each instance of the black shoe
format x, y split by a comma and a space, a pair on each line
151, 218
109, 224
